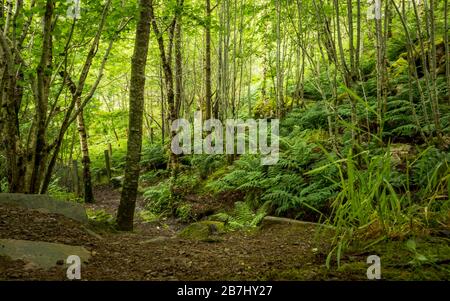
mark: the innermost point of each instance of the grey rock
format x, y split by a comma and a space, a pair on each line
46, 204
41, 254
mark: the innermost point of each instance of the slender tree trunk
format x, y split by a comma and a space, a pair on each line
411, 60
163, 105
249, 88
178, 67
76, 91
358, 38
264, 81
301, 56
166, 61
86, 160
427, 68
351, 38
234, 66
347, 73
43, 89
380, 62
220, 72
2, 15
125, 214
226, 60
208, 82
279, 67
9, 123
8, 13
240, 54
433, 63
447, 49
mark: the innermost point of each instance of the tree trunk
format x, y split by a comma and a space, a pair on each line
125, 214
9, 123
279, 67
447, 49
220, 72
86, 160
351, 37
358, 39
433, 63
178, 67
380, 63
166, 62
43, 90
77, 90
208, 88
163, 106
429, 78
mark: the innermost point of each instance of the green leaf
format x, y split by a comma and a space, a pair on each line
411, 245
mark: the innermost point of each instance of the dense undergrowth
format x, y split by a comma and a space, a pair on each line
372, 187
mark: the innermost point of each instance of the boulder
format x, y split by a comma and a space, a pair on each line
41, 254
203, 231
46, 204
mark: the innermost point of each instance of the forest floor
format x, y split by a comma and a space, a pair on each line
154, 252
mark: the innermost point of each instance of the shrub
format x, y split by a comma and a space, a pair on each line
242, 216
154, 156
207, 164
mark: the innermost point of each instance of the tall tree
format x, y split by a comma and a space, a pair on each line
34, 93
125, 214
178, 65
166, 63
78, 102
447, 48
82, 130
279, 60
208, 81
44, 72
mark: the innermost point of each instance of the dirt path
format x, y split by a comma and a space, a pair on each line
153, 252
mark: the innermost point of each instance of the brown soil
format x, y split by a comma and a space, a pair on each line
244, 255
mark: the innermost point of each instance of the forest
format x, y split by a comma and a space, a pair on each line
224, 140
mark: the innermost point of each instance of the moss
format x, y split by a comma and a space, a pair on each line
203, 231
399, 262
148, 217
342, 97
399, 67
354, 267
184, 212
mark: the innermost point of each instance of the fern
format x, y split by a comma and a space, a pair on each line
242, 216
158, 198
407, 130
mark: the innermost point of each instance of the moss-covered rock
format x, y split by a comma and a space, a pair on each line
203, 231
399, 67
